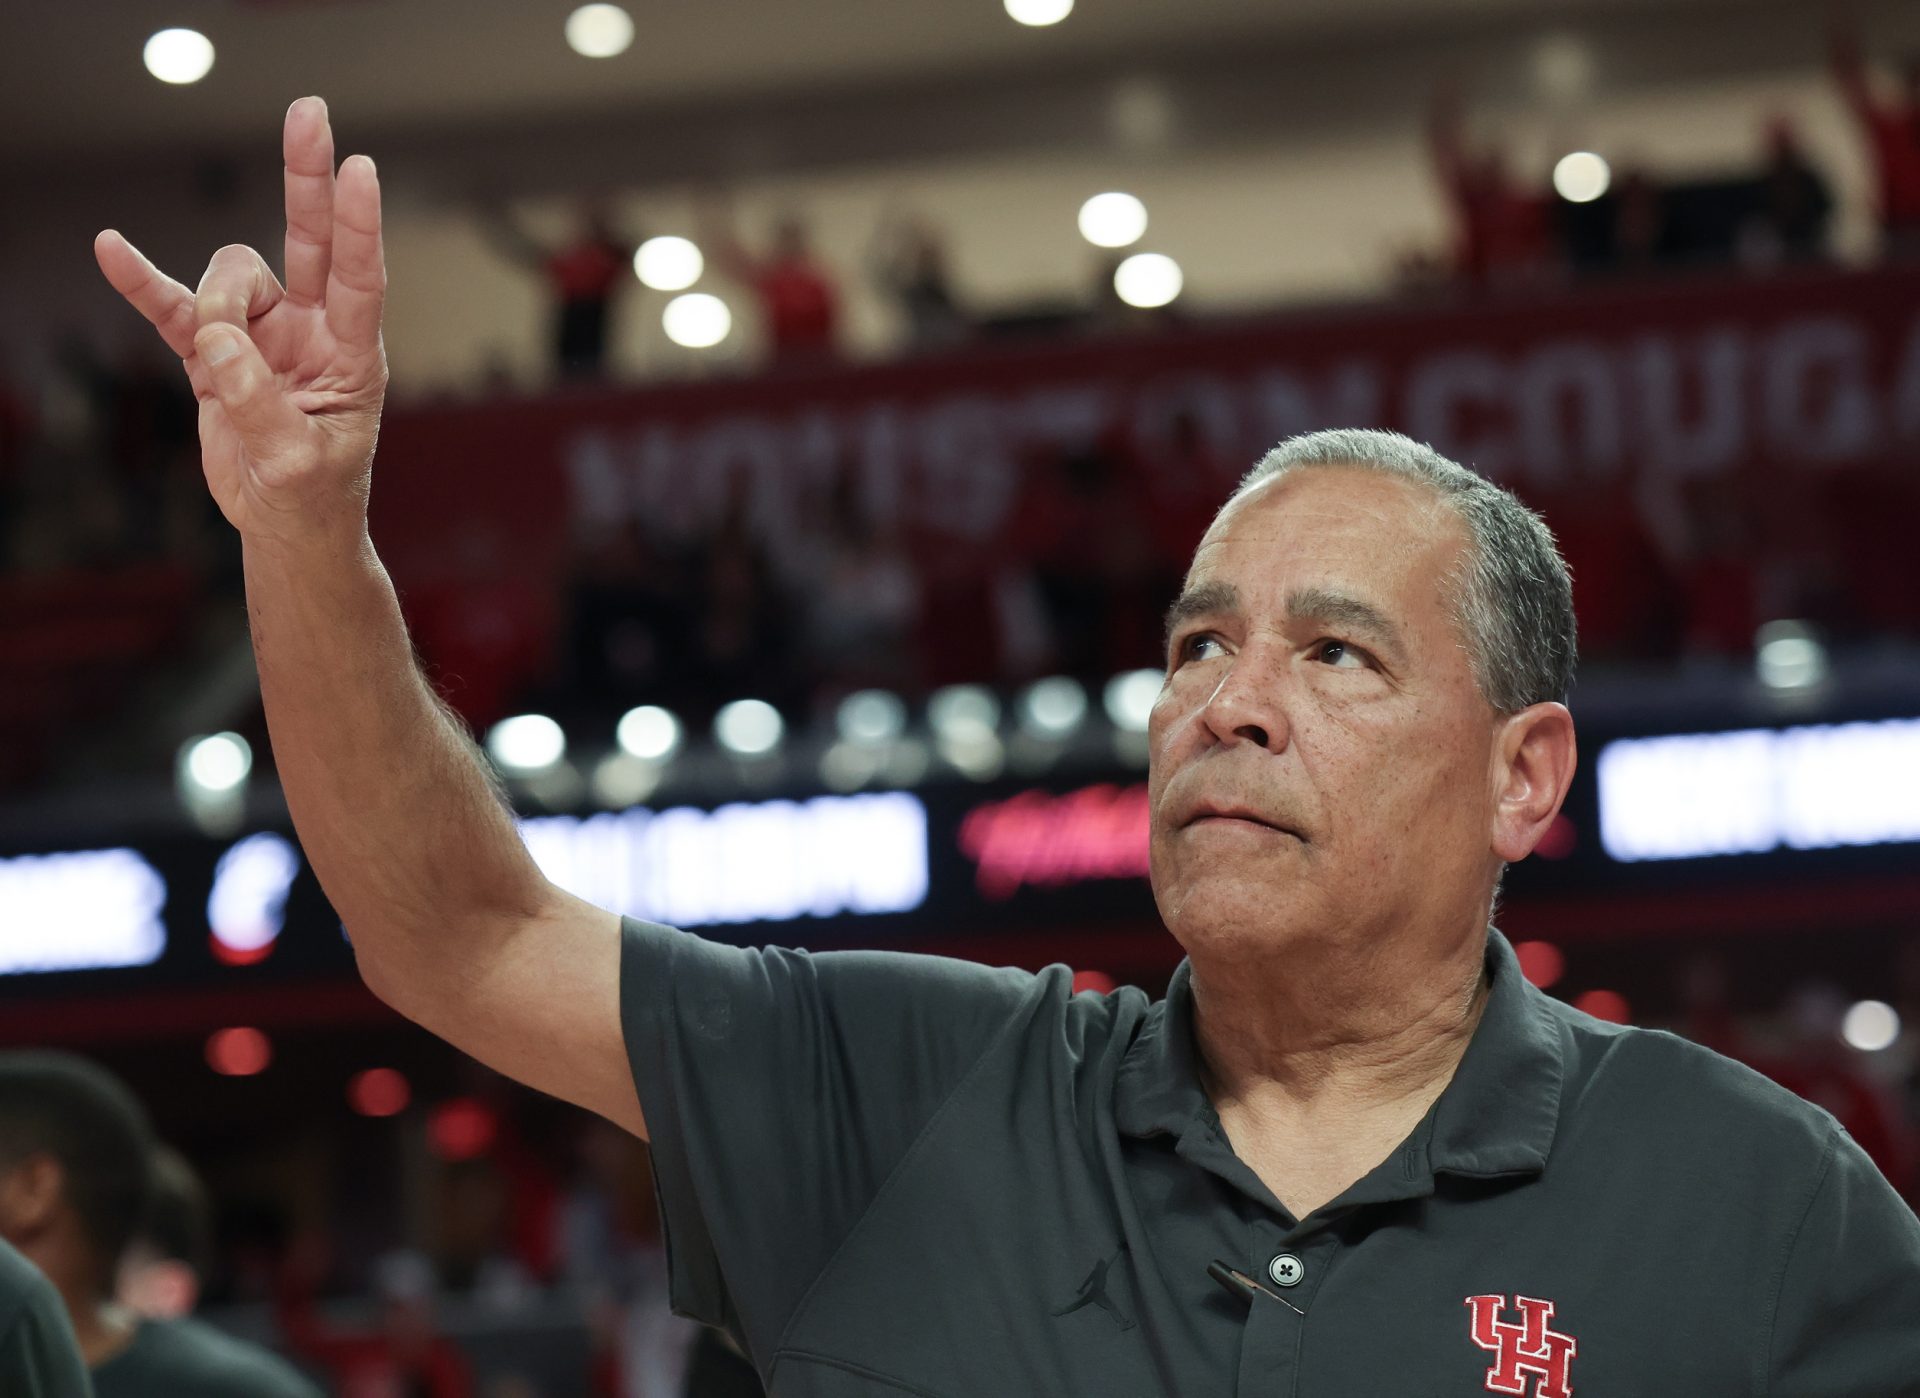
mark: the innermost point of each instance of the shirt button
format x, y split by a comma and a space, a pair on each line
1286, 1269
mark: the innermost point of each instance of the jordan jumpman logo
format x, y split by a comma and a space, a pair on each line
1093, 1291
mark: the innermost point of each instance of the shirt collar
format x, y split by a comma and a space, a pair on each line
1497, 1116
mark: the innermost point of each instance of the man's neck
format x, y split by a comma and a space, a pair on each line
1319, 1069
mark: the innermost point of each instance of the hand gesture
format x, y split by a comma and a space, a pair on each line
290, 379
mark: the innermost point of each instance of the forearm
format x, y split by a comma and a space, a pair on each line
395, 809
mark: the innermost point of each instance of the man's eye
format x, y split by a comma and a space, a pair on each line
1190, 647
1341, 655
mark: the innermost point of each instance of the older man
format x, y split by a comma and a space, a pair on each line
1351, 1152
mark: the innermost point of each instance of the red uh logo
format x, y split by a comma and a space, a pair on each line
1530, 1347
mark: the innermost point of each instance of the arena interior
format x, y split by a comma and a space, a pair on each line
800, 419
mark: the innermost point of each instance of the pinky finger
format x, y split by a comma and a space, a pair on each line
158, 297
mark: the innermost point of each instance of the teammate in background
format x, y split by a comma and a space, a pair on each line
75, 1180
77, 1173
160, 1277
38, 1354
1892, 128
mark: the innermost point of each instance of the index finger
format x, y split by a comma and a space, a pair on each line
158, 297
308, 147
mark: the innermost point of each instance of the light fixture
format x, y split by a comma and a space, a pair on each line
1113, 220
696, 320
217, 764
178, 56
527, 743
963, 708
599, 31
1038, 13
1789, 655
1871, 1025
1581, 177
1053, 707
1148, 280
648, 732
668, 263
1129, 699
749, 727
872, 716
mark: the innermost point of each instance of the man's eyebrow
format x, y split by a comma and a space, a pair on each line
1208, 599
1343, 611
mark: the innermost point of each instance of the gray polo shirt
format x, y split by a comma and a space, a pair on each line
889, 1174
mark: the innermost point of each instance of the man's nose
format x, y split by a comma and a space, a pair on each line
1249, 703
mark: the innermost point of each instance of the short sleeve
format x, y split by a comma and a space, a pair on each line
38, 1354
1847, 1320
781, 1088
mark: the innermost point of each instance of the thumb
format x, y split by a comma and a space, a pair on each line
267, 423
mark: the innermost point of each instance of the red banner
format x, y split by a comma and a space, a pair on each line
1694, 379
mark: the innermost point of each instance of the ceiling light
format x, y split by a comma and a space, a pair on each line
668, 263
1582, 177
697, 320
599, 31
179, 56
1113, 220
1038, 13
1148, 280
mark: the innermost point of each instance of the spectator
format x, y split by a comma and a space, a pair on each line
586, 275
1503, 227
405, 1354
799, 306
1793, 205
860, 596
1892, 129
909, 262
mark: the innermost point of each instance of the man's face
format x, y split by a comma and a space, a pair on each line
1320, 751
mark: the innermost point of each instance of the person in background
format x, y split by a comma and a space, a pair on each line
909, 263
76, 1184
1792, 208
406, 1354
585, 275
1503, 225
799, 305
1891, 125
38, 1354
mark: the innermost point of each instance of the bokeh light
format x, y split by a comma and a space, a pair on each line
1581, 177
1113, 220
599, 31
1037, 13
178, 56
1148, 280
696, 320
668, 263
239, 1052
379, 1092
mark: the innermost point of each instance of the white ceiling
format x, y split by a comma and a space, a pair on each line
71, 78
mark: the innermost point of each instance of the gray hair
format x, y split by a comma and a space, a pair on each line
1512, 594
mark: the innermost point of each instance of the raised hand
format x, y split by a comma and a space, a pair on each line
290, 379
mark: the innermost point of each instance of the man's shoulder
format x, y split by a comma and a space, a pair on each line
1660, 1085
188, 1355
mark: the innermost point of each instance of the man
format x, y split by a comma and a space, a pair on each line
1351, 1152
76, 1184
38, 1355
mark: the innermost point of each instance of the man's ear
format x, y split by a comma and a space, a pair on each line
30, 1192
1533, 761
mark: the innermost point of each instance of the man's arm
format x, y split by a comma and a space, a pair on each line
451, 921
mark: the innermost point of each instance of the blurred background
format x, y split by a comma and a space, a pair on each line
801, 416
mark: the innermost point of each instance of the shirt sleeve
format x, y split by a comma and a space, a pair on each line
38, 1354
781, 1089
1847, 1320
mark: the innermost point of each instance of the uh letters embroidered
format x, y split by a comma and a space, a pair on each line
1529, 1348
